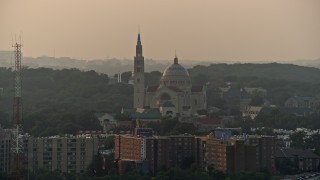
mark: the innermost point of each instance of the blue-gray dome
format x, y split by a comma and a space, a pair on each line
175, 70
175, 75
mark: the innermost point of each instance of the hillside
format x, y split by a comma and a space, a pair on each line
64, 101
275, 71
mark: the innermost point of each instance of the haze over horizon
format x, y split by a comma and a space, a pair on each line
229, 30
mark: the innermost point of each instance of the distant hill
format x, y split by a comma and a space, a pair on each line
106, 66
274, 71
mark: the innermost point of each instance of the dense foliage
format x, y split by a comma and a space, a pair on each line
96, 172
172, 127
64, 101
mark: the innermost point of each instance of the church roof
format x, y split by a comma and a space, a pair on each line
175, 70
139, 113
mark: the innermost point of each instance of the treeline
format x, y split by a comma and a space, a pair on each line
62, 101
55, 101
109, 172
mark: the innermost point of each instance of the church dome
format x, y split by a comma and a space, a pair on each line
175, 70
175, 75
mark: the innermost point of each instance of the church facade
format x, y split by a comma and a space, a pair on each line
174, 96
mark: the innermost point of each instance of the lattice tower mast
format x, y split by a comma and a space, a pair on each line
17, 146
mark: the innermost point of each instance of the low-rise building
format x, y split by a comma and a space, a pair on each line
251, 112
302, 159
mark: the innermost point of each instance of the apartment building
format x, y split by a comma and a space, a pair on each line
157, 151
240, 153
71, 154
5, 150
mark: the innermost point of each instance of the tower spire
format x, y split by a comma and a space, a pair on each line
175, 61
139, 46
139, 76
139, 39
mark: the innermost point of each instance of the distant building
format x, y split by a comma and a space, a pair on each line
303, 160
72, 154
146, 115
174, 96
238, 154
297, 111
207, 124
5, 151
237, 99
226, 156
256, 91
266, 149
298, 102
156, 151
106, 120
182, 149
220, 150
301, 105
251, 112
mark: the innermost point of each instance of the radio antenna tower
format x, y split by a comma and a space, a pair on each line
17, 146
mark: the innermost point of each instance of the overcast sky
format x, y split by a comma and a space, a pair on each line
241, 30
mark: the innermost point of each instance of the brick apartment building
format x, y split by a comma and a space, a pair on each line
237, 154
221, 150
157, 151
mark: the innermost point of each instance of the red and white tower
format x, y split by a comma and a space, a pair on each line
17, 146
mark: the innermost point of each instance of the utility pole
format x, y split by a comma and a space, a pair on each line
16, 141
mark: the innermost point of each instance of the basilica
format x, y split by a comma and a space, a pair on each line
175, 96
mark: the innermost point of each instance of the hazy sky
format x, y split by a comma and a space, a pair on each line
242, 30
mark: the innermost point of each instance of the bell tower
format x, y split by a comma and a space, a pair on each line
138, 76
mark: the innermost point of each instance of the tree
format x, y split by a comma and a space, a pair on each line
297, 139
184, 127
126, 76
200, 79
313, 143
